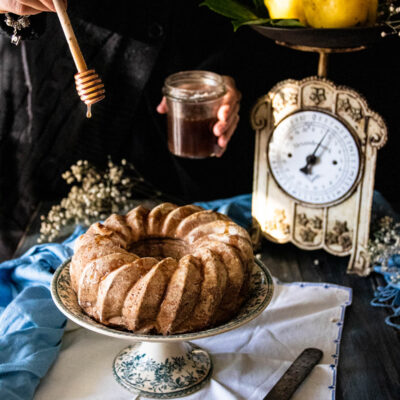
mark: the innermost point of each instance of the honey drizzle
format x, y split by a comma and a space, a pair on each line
89, 111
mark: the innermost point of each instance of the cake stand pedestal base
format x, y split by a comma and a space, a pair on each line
162, 370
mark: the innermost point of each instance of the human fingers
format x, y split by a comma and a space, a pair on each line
224, 139
24, 7
49, 4
162, 107
36, 5
222, 126
16, 7
231, 97
228, 116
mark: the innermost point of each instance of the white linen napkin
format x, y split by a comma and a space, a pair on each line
247, 361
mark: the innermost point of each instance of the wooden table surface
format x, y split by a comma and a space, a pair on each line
369, 361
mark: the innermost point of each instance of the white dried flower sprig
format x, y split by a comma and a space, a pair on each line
384, 242
389, 12
95, 195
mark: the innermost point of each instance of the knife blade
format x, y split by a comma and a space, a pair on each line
295, 375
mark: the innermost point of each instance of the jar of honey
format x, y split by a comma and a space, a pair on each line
193, 99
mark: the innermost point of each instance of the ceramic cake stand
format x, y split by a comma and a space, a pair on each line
159, 366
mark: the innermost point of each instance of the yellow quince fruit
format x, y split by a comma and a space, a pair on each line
285, 9
372, 12
339, 13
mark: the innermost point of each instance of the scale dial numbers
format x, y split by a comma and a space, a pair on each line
314, 157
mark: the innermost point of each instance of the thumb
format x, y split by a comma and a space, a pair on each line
162, 108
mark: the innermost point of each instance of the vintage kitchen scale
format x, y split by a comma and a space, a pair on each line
315, 153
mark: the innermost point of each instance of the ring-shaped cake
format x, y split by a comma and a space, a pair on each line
166, 270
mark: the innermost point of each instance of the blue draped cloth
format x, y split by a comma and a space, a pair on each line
31, 326
238, 208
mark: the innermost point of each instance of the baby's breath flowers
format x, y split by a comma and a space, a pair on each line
384, 242
384, 249
95, 195
388, 12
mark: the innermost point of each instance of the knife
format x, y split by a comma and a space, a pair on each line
295, 375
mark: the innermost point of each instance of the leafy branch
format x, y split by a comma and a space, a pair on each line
247, 12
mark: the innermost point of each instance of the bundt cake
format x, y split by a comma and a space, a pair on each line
169, 270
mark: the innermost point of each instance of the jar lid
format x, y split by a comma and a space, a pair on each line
194, 86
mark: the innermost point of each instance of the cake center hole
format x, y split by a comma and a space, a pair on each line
160, 248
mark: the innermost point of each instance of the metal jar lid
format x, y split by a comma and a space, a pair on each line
194, 86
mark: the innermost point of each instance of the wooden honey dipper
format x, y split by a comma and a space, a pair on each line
88, 84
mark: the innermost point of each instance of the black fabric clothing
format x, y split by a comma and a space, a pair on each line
134, 47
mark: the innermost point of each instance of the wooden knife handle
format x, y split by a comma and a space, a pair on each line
295, 375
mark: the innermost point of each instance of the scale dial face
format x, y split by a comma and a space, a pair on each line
314, 157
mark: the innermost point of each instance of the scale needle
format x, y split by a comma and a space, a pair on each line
311, 159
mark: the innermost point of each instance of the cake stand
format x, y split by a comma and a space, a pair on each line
159, 366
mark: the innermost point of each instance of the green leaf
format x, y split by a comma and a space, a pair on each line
238, 23
286, 22
247, 12
230, 8
269, 22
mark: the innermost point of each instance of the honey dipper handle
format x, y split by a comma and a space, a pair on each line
70, 35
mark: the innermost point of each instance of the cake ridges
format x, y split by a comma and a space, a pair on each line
203, 283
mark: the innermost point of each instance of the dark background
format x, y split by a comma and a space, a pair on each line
134, 46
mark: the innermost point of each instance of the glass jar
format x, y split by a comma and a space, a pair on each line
193, 99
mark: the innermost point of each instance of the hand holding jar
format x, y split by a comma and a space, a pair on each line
202, 112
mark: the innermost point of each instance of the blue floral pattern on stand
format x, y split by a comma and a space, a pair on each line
174, 377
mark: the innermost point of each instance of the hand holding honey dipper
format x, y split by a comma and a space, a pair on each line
88, 84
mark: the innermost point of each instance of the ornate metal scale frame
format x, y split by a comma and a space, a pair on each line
341, 227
